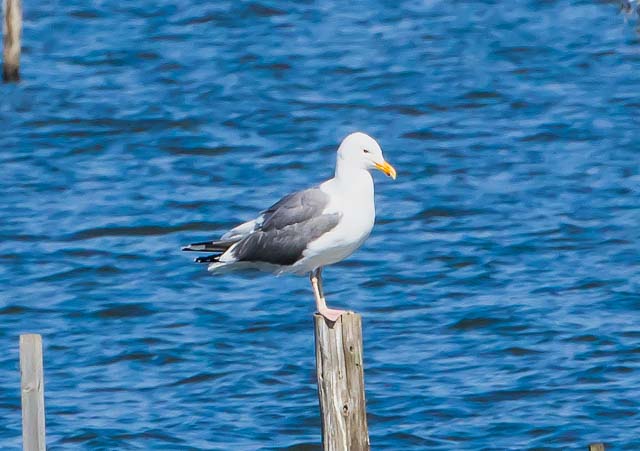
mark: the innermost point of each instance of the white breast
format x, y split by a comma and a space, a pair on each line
355, 204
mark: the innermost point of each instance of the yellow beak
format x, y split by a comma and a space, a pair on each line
387, 169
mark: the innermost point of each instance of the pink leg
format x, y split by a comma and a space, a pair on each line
321, 303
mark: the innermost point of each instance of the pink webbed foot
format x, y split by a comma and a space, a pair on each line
331, 314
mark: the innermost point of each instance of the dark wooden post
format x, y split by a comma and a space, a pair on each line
341, 383
32, 385
11, 33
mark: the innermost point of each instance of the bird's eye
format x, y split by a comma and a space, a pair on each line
365, 151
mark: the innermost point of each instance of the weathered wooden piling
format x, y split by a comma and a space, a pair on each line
12, 34
32, 387
341, 383
596, 447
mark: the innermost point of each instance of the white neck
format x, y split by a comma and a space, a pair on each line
353, 178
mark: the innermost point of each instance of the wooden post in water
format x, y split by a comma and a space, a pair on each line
11, 33
32, 385
341, 383
596, 447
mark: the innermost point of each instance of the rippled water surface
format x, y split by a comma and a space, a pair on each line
500, 289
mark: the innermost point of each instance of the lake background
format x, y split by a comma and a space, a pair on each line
500, 289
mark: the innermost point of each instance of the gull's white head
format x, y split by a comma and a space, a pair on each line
361, 151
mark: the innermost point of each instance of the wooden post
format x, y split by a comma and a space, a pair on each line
11, 32
596, 447
341, 383
32, 385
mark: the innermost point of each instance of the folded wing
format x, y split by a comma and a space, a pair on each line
278, 236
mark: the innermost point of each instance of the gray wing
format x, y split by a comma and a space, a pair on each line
287, 227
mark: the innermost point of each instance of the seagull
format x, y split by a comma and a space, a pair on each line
310, 229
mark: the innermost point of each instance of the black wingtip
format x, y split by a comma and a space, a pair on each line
194, 248
210, 246
207, 259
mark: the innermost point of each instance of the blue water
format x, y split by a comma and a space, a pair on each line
500, 289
